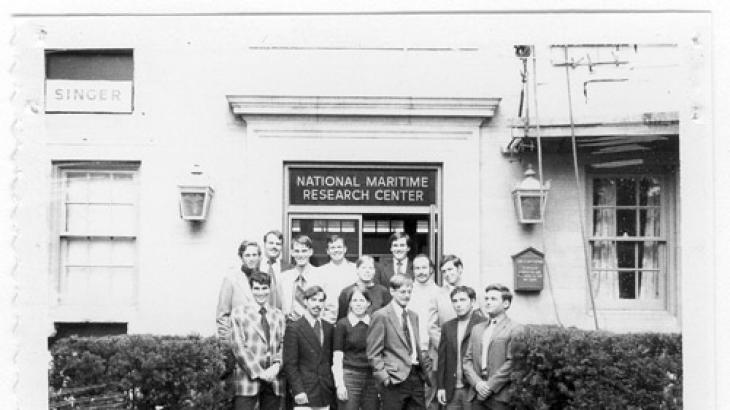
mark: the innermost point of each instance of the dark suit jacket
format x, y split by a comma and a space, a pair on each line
385, 270
447, 356
308, 364
499, 358
387, 349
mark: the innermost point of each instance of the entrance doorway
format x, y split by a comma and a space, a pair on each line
364, 204
365, 234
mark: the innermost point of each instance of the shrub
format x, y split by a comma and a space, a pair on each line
559, 368
170, 371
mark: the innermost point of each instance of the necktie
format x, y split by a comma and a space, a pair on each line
486, 339
318, 331
399, 267
300, 285
404, 317
265, 324
274, 298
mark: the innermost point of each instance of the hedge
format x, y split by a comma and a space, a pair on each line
555, 368
558, 368
171, 371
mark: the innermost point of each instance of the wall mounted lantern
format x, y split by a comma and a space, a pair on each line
530, 198
195, 196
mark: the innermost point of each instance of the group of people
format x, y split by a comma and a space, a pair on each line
362, 335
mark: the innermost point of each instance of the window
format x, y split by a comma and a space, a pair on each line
89, 81
628, 243
98, 227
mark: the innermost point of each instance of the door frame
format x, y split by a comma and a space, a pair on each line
347, 211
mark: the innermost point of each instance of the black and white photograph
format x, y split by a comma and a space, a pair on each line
365, 205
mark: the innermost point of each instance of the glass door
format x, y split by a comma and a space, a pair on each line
319, 227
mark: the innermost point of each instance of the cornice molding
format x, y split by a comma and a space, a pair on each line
651, 123
359, 106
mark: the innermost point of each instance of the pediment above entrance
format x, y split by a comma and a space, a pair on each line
363, 106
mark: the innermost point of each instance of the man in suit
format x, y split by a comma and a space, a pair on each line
272, 264
295, 280
488, 359
453, 387
393, 350
308, 355
235, 289
400, 245
258, 341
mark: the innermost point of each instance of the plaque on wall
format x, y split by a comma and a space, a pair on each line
529, 267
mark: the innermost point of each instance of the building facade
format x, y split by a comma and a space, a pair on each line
357, 124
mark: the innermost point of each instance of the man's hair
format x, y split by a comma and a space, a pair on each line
430, 263
276, 232
364, 292
313, 290
464, 289
506, 294
362, 260
260, 278
302, 240
451, 258
399, 235
334, 238
245, 244
398, 281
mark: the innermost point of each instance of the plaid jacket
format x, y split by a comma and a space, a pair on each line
253, 354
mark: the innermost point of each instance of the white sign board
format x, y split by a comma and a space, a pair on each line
88, 96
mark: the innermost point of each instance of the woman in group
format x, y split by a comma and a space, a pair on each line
379, 294
356, 386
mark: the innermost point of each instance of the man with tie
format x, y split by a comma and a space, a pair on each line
295, 280
488, 359
258, 341
334, 275
454, 339
272, 264
400, 245
393, 350
308, 355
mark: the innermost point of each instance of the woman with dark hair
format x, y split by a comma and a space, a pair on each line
353, 377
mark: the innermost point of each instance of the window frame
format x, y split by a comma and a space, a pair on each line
666, 240
61, 237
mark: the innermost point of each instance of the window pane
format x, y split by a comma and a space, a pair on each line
626, 222
348, 226
626, 254
650, 191
123, 251
77, 218
649, 222
99, 218
627, 285
89, 65
76, 187
100, 187
319, 225
604, 222
125, 189
99, 286
649, 255
604, 254
604, 191
530, 207
333, 225
626, 191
